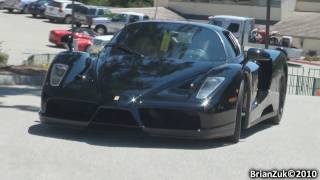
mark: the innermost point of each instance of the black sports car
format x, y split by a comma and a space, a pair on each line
175, 79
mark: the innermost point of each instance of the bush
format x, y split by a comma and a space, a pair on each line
120, 3
3, 59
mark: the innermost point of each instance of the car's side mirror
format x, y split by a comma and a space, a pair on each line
258, 55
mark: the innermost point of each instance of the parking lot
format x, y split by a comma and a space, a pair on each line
21, 36
33, 151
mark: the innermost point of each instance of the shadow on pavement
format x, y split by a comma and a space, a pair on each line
14, 90
125, 137
22, 107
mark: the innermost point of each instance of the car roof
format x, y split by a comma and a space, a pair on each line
67, 1
204, 25
231, 17
132, 13
92, 6
104, 38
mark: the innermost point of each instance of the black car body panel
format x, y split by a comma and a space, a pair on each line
37, 8
160, 96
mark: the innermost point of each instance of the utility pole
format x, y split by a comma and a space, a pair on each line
72, 27
156, 11
268, 24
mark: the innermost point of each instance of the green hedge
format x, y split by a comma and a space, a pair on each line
120, 3
3, 59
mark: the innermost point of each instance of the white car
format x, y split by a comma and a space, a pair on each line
20, 5
105, 25
60, 10
98, 44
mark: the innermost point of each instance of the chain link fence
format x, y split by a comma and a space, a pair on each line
303, 81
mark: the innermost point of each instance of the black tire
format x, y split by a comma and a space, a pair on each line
78, 24
51, 20
34, 15
101, 30
25, 10
238, 127
10, 10
68, 20
282, 97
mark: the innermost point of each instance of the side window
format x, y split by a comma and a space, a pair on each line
133, 18
217, 23
146, 18
231, 45
69, 6
234, 27
100, 12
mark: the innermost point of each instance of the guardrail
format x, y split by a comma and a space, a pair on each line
40, 59
303, 81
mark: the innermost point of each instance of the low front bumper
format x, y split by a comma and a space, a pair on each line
180, 122
216, 132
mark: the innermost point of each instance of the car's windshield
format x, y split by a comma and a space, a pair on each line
161, 40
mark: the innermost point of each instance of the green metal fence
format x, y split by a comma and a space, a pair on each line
303, 81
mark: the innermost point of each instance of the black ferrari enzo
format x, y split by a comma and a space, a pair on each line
175, 79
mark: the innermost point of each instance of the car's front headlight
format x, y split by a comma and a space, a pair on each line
209, 86
58, 72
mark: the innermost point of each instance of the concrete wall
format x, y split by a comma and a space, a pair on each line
287, 8
311, 6
311, 44
162, 3
207, 9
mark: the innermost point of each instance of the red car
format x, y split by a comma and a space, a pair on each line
80, 34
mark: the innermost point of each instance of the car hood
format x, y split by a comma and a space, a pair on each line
129, 77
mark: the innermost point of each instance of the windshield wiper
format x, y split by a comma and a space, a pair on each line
125, 49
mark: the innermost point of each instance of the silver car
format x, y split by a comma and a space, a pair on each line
20, 5
105, 25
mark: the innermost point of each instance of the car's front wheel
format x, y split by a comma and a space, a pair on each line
101, 30
10, 10
240, 111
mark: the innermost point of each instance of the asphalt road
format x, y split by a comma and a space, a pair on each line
31, 151
21, 36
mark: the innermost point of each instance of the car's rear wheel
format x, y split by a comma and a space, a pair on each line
68, 20
34, 15
51, 20
282, 97
240, 111
101, 30
10, 10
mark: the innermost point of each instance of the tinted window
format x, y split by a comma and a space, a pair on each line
133, 18
55, 4
217, 23
100, 12
120, 18
170, 40
70, 6
233, 27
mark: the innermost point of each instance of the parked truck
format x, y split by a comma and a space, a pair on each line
249, 36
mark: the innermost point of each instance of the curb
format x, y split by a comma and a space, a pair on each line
15, 79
